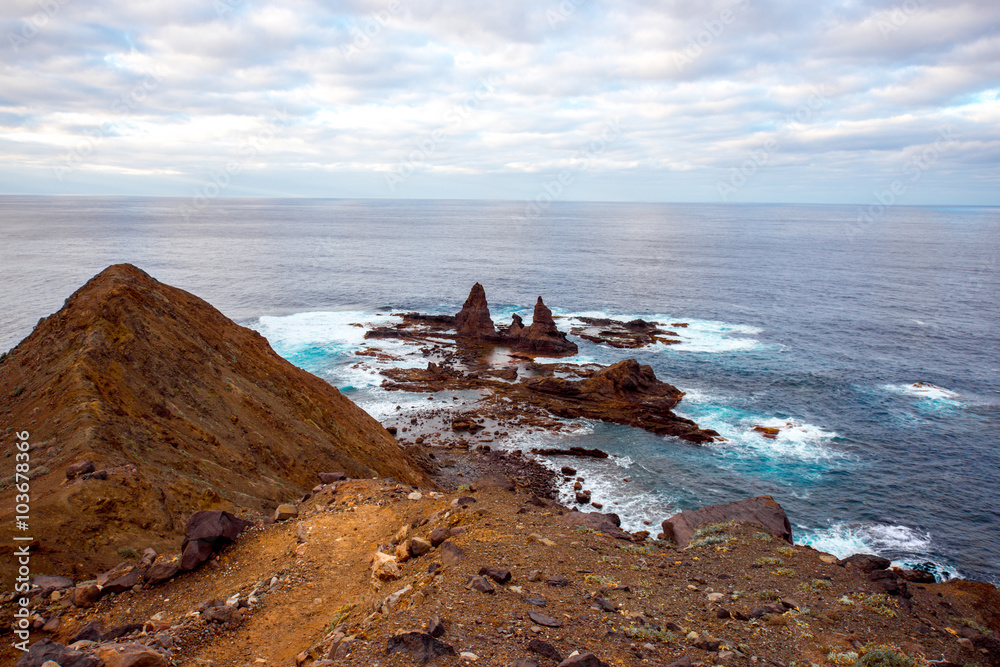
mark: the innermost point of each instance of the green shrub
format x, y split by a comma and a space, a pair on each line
880, 655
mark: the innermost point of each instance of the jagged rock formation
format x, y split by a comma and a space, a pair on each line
542, 337
474, 320
180, 408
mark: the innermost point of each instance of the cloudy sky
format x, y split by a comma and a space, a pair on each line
837, 101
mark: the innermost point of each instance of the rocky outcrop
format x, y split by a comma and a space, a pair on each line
542, 337
177, 409
762, 510
624, 393
474, 320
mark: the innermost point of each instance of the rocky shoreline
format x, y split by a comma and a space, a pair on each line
231, 509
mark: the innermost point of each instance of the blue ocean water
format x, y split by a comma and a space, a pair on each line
798, 317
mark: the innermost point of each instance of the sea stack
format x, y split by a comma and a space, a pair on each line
542, 337
474, 320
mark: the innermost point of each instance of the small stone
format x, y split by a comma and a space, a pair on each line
542, 619
479, 584
419, 546
557, 581
682, 661
451, 553
435, 627
498, 575
716, 597
438, 535
81, 468
583, 660
285, 512
535, 575
86, 595
544, 649
536, 600
468, 655
649, 647
416, 495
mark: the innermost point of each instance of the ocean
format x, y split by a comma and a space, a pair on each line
811, 318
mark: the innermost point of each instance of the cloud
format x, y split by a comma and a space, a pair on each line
144, 96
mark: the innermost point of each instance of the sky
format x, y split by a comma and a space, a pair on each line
847, 101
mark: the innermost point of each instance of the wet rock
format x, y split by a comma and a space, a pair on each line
419, 645
498, 575
47, 650
130, 655
544, 649
542, 619
80, 468
580, 452
582, 497
762, 510
451, 553
208, 532
867, 563
568, 472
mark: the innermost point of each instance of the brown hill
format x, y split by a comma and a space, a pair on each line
184, 410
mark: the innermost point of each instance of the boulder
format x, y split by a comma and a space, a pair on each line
331, 477
208, 532
474, 320
124, 581
86, 595
421, 646
609, 524
438, 535
130, 655
47, 650
80, 468
384, 568
762, 510
865, 562
418, 546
